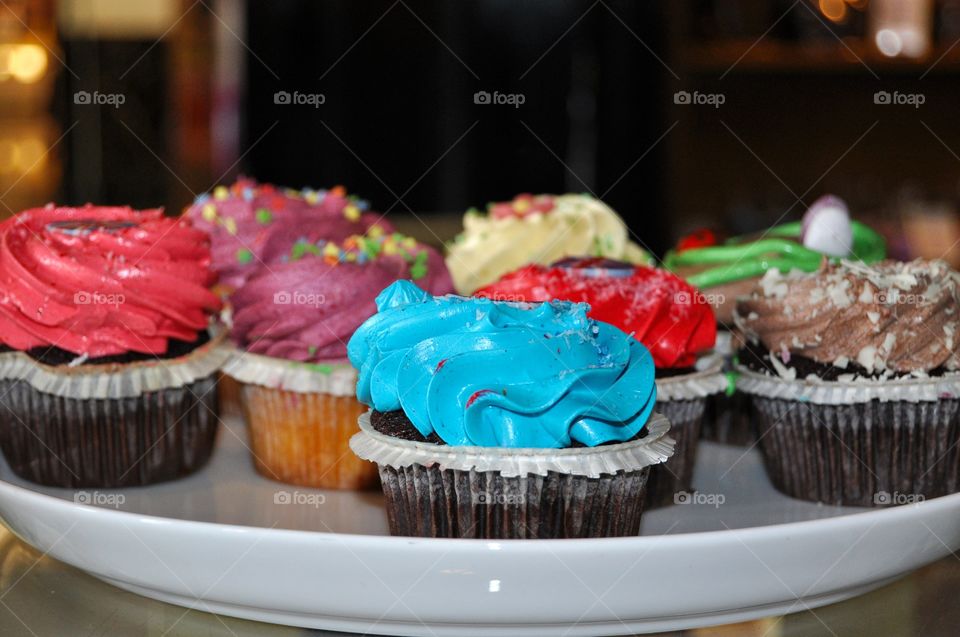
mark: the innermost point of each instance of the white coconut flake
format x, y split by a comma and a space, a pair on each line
773, 284
841, 362
867, 357
788, 373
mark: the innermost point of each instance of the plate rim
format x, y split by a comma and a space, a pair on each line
359, 539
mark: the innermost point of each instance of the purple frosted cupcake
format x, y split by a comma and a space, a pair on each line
291, 323
853, 374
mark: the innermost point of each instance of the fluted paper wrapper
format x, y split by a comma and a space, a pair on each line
727, 415
676, 474
893, 442
484, 492
300, 417
682, 399
107, 442
837, 392
303, 438
116, 380
337, 378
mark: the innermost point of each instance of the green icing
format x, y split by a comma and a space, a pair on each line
322, 368
736, 260
418, 269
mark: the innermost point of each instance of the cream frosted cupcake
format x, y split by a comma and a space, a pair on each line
536, 229
854, 372
505, 420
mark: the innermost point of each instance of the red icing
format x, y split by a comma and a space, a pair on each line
477, 394
102, 280
522, 205
702, 238
663, 311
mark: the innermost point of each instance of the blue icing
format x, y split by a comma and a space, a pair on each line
486, 373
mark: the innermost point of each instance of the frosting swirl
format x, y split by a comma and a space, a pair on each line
251, 224
660, 309
536, 229
484, 373
308, 302
826, 229
892, 316
102, 281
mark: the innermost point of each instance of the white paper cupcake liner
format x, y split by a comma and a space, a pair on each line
709, 379
337, 378
591, 462
116, 380
837, 392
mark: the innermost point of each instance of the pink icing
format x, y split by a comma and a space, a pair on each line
251, 223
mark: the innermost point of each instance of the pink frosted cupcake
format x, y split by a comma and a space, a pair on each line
292, 321
250, 223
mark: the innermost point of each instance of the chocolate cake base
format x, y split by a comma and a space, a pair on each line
107, 443
433, 502
676, 474
869, 454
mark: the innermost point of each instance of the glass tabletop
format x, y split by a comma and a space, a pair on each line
40, 596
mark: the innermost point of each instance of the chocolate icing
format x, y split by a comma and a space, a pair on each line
888, 319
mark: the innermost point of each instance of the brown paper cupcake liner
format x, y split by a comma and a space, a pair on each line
872, 453
434, 502
303, 438
107, 442
727, 420
676, 474
490, 492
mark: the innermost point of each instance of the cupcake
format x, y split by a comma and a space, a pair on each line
251, 223
109, 362
853, 375
661, 311
505, 420
291, 324
726, 271
536, 229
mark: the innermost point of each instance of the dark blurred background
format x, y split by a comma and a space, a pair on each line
732, 114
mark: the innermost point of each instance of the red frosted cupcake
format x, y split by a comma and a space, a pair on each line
664, 313
109, 368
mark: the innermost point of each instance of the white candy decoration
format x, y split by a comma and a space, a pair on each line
827, 228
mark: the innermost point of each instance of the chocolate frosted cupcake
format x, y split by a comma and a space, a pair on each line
661, 311
536, 229
291, 323
853, 373
505, 420
108, 376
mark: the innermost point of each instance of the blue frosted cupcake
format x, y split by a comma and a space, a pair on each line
505, 420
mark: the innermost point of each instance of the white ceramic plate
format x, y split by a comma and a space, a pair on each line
224, 540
